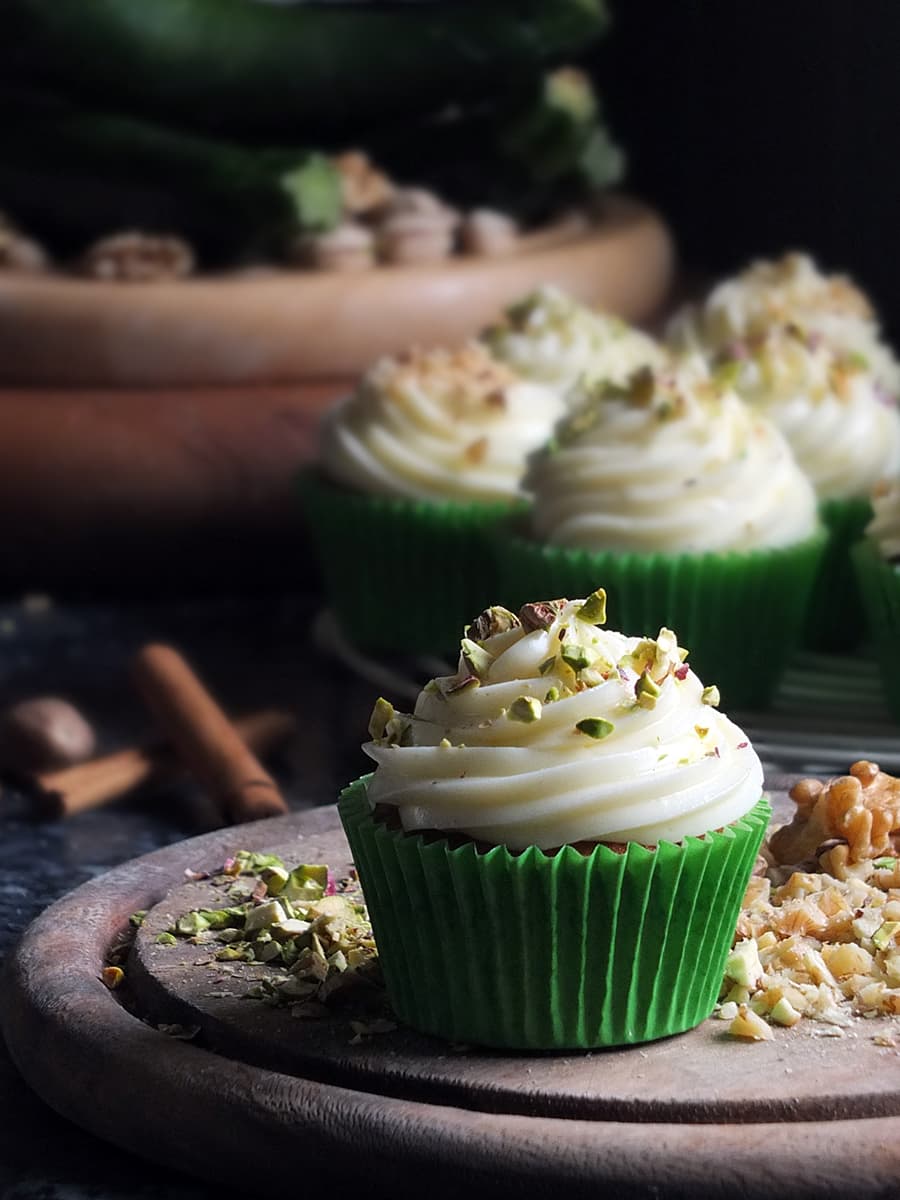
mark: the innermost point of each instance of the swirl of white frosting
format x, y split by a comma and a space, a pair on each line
843, 432
438, 425
884, 528
789, 289
551, 338
674, 463
617, 741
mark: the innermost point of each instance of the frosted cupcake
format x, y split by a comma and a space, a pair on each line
832, 409
551, 831
877, 563
414, 467
692, 510
783, 291
551, 338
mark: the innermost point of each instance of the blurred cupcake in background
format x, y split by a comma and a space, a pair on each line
877, 562
780, 292
831, 407
414, 467
689, 507
551, 338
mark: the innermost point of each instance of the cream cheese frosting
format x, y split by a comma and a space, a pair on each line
843, 432
555, 731
551, 338
782, 291
884, 528
675, 462
438, 425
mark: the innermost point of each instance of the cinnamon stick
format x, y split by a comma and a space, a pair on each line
101, 780
203, 736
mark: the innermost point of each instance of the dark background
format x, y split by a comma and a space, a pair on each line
762, 125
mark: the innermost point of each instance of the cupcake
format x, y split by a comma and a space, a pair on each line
781, 292
845, 436
810, 351
551, 338
877, 562
692, 510
554, 845
415, 466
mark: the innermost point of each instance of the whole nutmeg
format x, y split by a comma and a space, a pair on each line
46, 732
136, 257
487, 233
347, 247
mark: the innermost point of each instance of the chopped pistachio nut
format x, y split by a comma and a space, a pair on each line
526, 709
595, 727
493, 620
381, 714
883, 935
887, 863
137, 918
475, 657
541, 614
264, 915
166, 939
646, 691
274, 878
710, 695
743, 964
112, 976
576, 656
594, 608
552, 694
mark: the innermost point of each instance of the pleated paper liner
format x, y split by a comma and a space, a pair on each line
836, 618
740, 614
879, 583
401, 575
563, 951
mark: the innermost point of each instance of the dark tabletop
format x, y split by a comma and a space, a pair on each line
252, 653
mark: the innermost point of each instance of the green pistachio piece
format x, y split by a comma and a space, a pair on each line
526, 709
250, 862
594, 608
306, 883
575, 656
270, 913
641, 387
240, 952
137, 918
293, 927
595, 727
475, 657
884, 934
710, 695
191, 923
646, 691
166, 939
726, 374
493, 620
552, 694
884, 864
381, 714
275, 878
461, 684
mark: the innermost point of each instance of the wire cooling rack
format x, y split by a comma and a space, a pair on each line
828, 712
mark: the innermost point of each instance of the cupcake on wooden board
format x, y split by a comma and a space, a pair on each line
415, 466
551, 338
807, 349
693, 511
877, 562
555, 843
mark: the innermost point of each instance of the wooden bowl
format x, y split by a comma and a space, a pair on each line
278, 326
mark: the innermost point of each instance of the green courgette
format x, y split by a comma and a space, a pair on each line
305, 72
69, 176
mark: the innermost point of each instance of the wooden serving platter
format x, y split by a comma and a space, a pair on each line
695, 1114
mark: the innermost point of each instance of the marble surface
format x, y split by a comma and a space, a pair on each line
251, 654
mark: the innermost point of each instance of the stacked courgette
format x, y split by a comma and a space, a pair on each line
163, 113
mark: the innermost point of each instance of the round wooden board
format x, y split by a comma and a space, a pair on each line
280, 326
696, 1114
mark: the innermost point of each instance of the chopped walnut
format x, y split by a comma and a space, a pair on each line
135, 257
363, 187
19, 253
861, 810
349, 247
